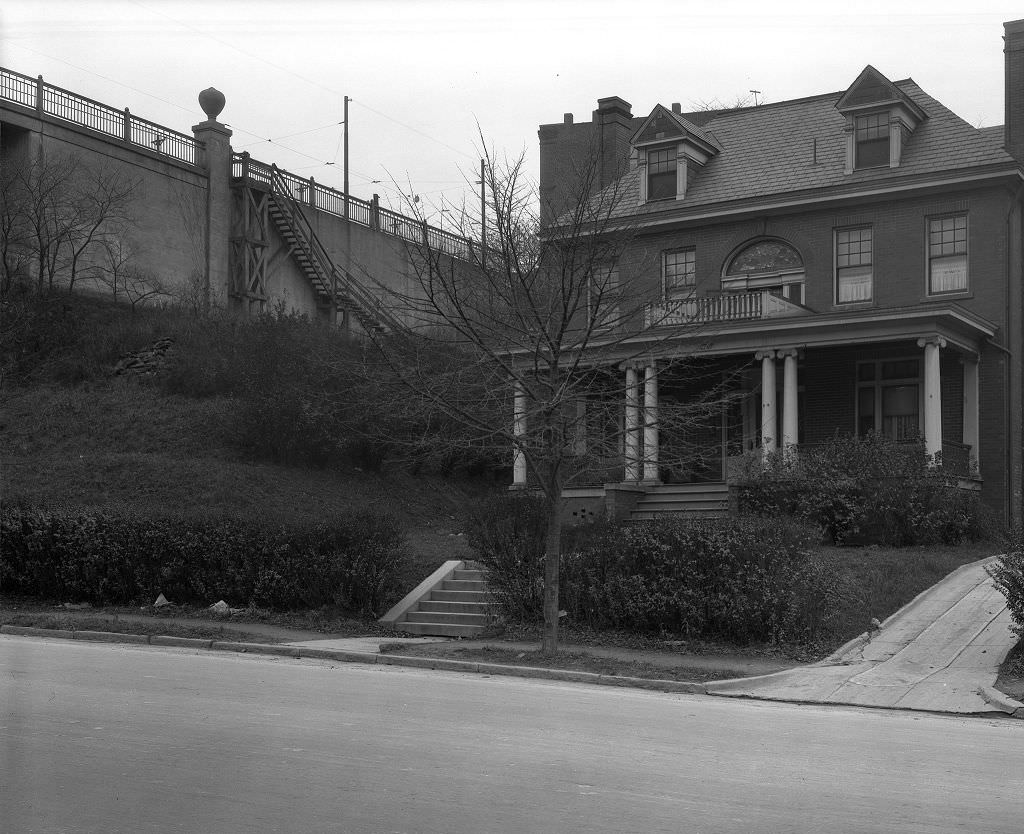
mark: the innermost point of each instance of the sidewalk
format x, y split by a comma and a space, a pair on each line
940, 653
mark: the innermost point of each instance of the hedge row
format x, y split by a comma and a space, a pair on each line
744, 579
864, 490
100, 557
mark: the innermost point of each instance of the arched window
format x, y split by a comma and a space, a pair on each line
766, 264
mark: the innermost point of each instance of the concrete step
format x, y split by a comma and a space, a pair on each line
465, 585
446, 617
440, 629
647, 515
688, 489
695, 505
443, 595
454, 607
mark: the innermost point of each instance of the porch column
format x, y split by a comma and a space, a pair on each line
651, 424
790, 414
932, 396
972, 436
767, 358
519, 433
632, 438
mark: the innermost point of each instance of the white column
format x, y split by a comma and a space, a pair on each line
790, 400
632, 439
932, 396
972, 436
651, 423
519, 432
768, 432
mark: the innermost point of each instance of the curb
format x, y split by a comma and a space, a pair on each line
439, 663
1002, 702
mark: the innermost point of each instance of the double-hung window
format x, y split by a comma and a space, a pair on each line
661, 173
678, 272
889, 398
872, 140
854, 269
947, 254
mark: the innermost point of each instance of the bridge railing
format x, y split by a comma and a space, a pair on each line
367, 213
62, 104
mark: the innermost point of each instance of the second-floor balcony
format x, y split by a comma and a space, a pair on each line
723, 307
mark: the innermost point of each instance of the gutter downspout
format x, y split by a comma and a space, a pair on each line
1014, 349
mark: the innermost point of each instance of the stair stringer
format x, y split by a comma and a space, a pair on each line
422, 591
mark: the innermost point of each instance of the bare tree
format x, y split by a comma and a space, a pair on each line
523, 343
56, 214
118, 271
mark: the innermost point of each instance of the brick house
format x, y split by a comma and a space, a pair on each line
857, 255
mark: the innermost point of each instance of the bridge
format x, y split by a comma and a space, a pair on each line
243, 233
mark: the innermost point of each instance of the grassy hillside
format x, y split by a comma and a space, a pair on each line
73, 434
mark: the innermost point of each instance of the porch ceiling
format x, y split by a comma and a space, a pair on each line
963, 331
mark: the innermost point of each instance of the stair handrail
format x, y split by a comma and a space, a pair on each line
369, 303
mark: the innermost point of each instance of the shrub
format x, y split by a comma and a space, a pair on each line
1008, 576
865, 490
356, 562
742, 580
507, 533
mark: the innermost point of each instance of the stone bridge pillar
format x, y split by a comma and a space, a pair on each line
215, 158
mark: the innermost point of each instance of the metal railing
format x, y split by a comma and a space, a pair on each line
62, 104
335, 282
367, 213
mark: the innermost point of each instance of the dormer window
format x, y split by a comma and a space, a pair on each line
880, 118
872, 141
661, 174
669, 149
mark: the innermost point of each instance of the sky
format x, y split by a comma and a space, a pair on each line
430, 81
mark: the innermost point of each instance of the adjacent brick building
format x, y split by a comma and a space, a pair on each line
858, 253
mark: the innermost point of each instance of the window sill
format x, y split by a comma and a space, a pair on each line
840, 306
960, 295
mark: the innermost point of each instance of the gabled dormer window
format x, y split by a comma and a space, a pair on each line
880, 118
668, 148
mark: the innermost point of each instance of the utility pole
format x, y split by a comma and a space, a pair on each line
483, 216
346, 157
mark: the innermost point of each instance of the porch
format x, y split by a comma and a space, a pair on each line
783, 385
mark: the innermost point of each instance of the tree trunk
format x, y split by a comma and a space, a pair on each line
552, 557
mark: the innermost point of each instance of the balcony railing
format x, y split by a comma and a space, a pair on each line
366, 213
58, 103
736, 306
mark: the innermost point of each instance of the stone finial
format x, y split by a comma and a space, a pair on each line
212, 101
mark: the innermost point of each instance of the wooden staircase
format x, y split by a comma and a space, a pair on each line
455, 606
701, 500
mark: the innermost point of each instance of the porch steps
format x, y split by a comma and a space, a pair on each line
700, 500
457, 606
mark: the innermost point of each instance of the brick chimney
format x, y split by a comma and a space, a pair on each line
613, 121
1014, 123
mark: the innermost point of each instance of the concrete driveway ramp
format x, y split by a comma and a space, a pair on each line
940, 653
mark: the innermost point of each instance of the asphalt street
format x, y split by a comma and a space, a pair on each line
108, 738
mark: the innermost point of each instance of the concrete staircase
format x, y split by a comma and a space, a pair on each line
702, 500
452, 602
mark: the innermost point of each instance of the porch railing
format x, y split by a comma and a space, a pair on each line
367, 213
48, 100
735, 306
